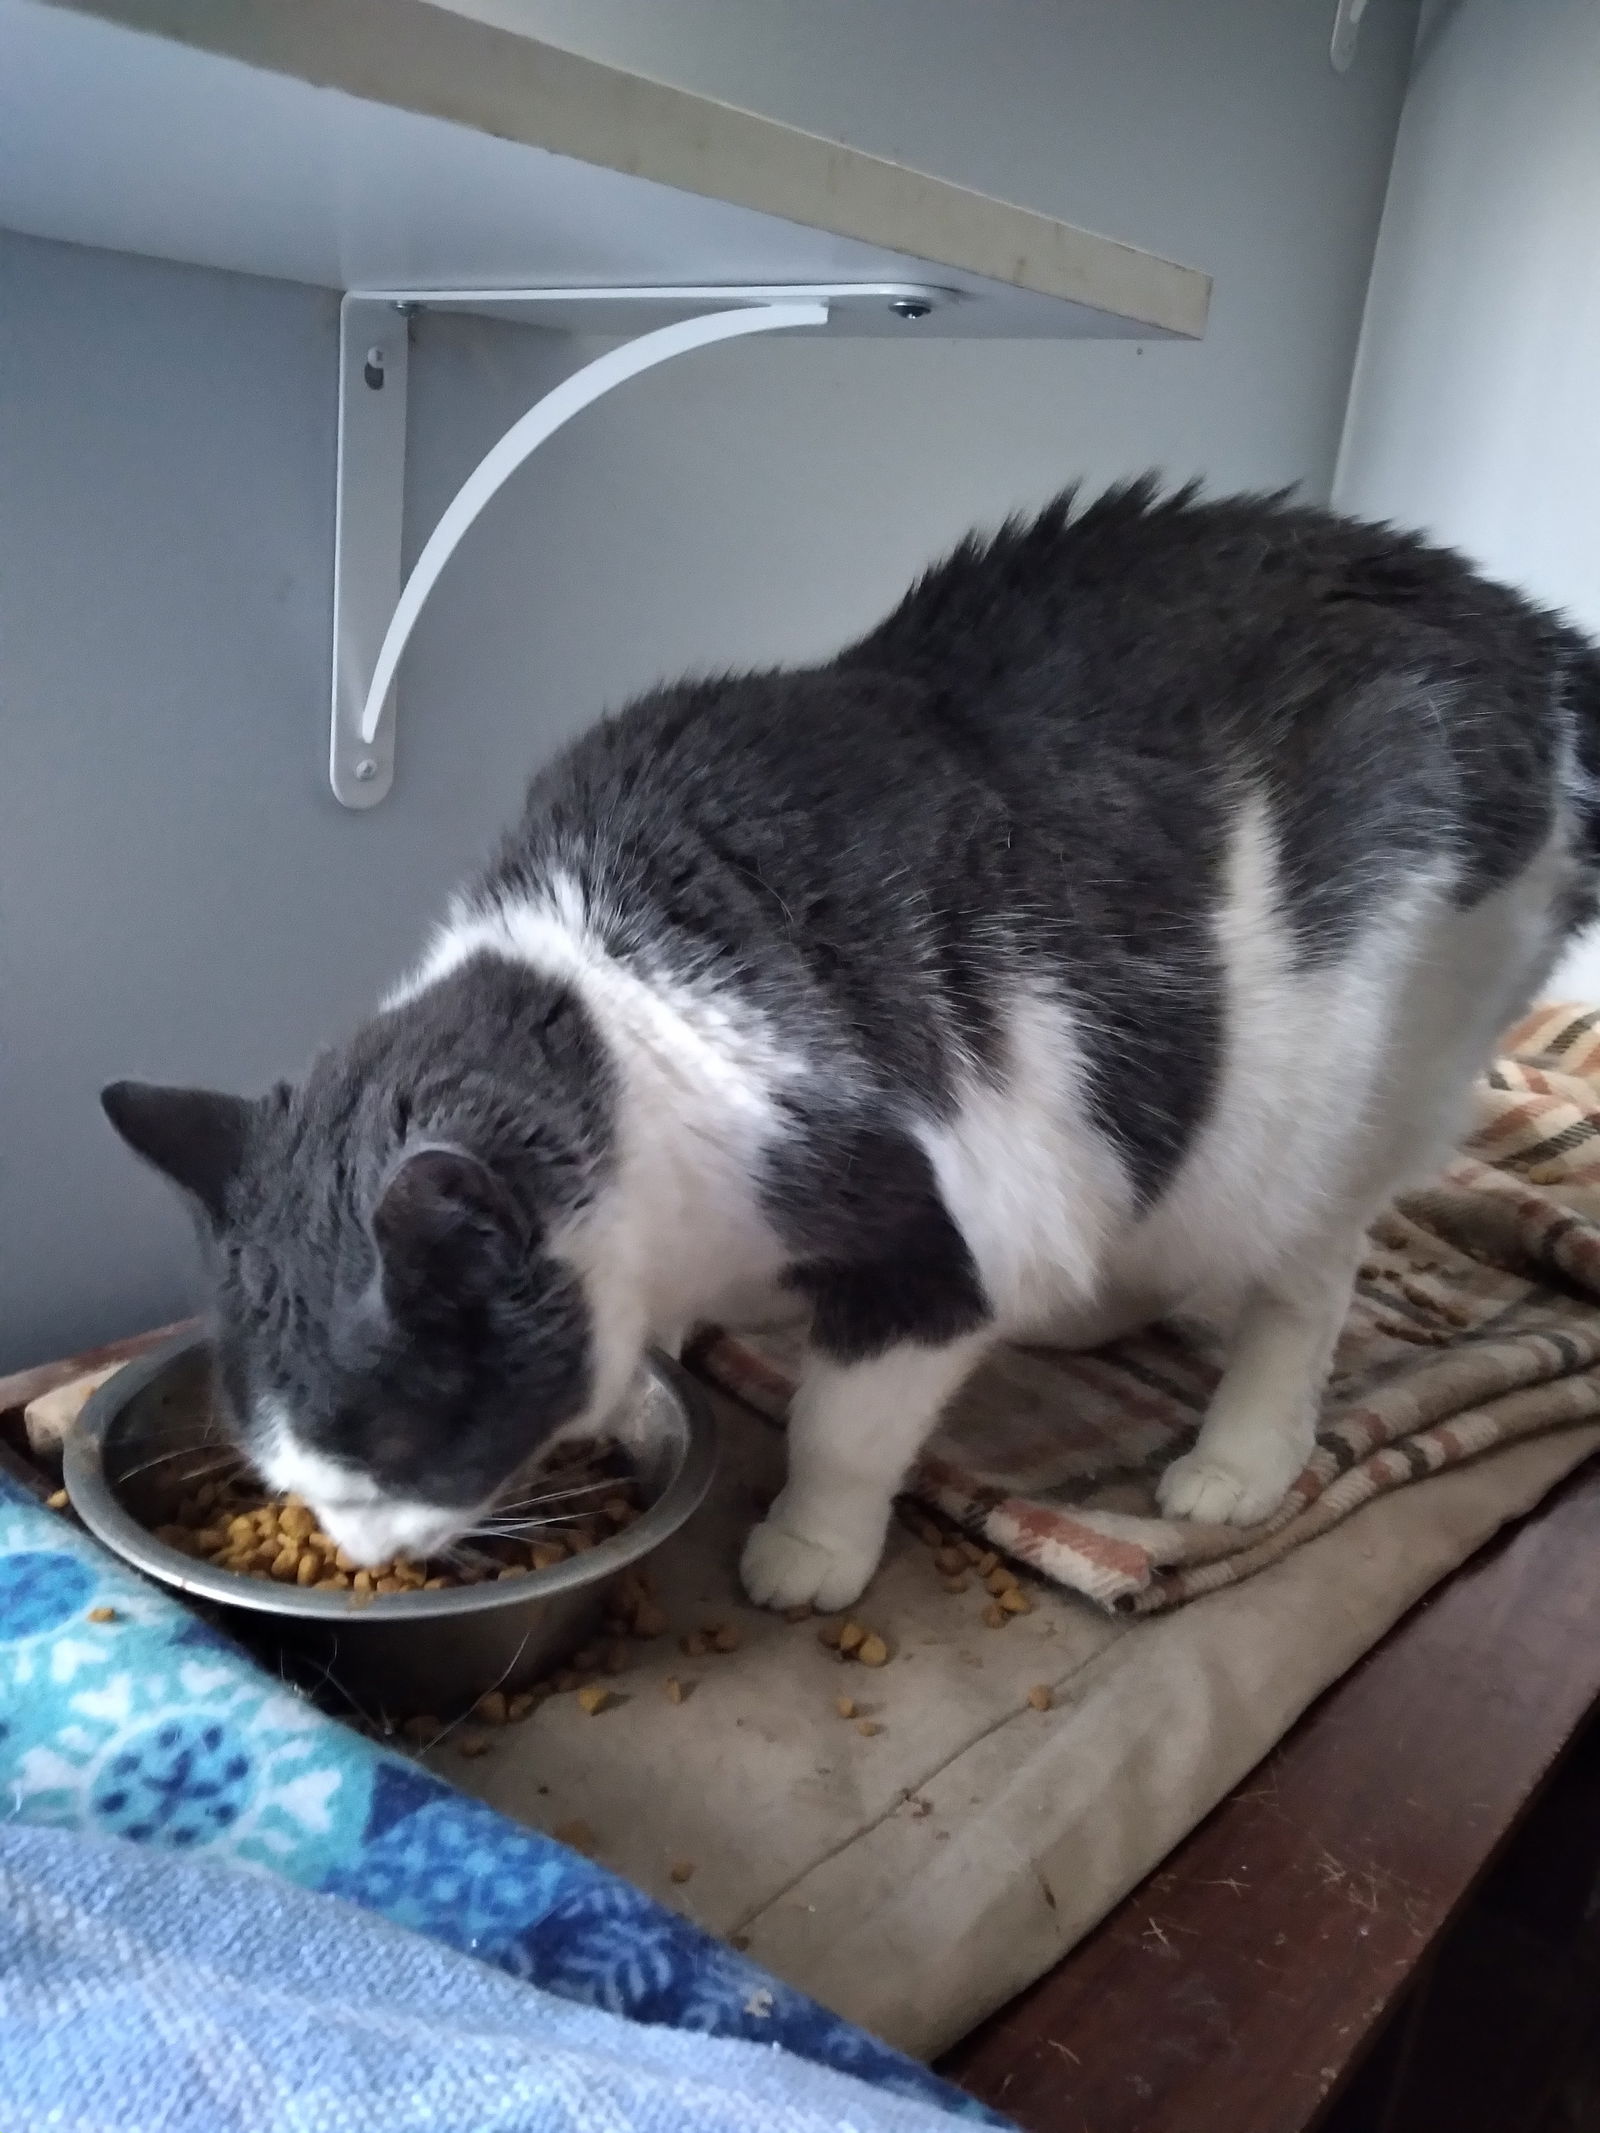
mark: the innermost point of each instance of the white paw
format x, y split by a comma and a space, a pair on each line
780, 1569
1214, 1492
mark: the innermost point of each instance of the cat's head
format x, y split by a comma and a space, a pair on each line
398, 1327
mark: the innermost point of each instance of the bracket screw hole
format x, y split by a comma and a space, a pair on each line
366, 770
909, 307
373, 370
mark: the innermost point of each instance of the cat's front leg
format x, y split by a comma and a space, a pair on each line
854, 1429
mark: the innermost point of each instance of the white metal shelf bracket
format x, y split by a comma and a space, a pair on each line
373, 617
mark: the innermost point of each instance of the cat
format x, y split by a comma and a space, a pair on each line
1112, 929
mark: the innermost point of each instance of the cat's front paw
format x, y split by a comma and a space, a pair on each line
783, 1569
1213, 1492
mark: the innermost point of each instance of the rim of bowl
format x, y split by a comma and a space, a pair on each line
92, 1497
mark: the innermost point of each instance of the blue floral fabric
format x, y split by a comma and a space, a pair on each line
152, 1728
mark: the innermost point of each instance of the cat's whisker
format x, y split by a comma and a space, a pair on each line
226, 1462
585, 1488
503, 1676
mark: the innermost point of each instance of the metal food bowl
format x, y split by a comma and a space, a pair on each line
151, 1434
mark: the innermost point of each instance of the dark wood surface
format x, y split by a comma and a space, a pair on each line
1239, 1986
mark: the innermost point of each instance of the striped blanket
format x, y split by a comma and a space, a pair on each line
1475, 1322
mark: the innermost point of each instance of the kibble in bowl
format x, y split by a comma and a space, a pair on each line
150, 1473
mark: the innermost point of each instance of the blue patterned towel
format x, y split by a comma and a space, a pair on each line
146, 1993
152, 1728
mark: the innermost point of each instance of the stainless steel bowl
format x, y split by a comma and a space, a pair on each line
150, 1434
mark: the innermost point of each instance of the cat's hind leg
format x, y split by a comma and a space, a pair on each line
1261, 1425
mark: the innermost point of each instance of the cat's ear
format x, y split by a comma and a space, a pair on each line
195, 1136
448, 1232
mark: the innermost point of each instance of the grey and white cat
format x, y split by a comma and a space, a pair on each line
1113, 929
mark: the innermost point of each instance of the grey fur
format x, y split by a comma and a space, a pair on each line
1028, 772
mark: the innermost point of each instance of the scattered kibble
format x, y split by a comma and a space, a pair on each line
995, 1616
58, 1500
845, 1706
851, 1637
829, 1635
956, 1584
802, 1613
872, 1650
492, 1708
1000, 1580
102, 1614
519, 1706
648, 1620
681, 1870
951, 1561
694, 1645
595, 1697
578, 1837
472, 1744
677, 1690
726, 1638
1040, 1696
868, 1727
1013, 1601
422, 1730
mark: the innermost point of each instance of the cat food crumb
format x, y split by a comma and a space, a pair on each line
995, 1616
851, 1637
726, 1638
422, 1730
802, 1613
829, 1634
681, 1870
1000, 1580
927, 1532
868, 1727
578, 1837
518, 1707
845, 1706
986, 1562
677, 1690
872, 1650
492, 1708
649, 1620
951, 1561
955, 1584
595, 1697
102, 1614
58, 1500
1015, 1602
617, 1659
472, 1744
971, 1550
1040, 1696
694, 1645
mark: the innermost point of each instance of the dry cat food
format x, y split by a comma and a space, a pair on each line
234, 1524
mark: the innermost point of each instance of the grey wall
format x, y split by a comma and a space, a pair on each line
180, 897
